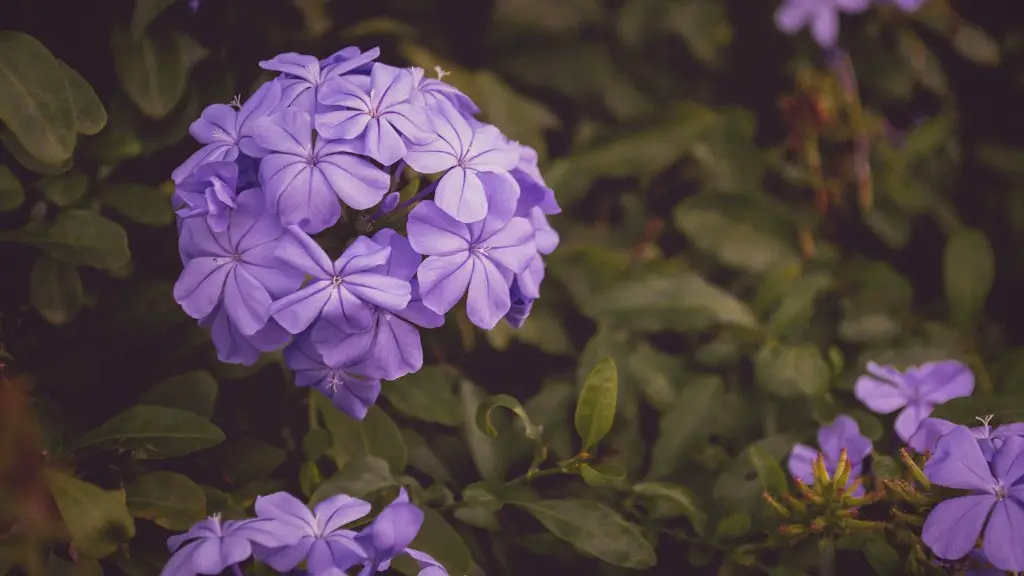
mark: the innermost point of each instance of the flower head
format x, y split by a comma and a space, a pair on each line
318, 537
915, 392
842, 434
350, 393
213, 545
390, 534
302, 76
989, 439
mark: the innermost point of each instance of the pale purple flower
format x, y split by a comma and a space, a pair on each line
303, 76
323, 542
352, 394
390, 534
226, 131
343, 292
481, 257
821, 16
989, 439
476, 158
211, 546
996, 495
534, 193
236, 267
304, 179
391, 347
914, 392
376, 111
233, 347
521, 306
209, 191
429, 92
842, 433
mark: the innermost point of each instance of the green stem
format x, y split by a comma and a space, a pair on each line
827, 561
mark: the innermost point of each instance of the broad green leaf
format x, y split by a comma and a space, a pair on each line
543, 329
169, 499
37, 105
152, 69
1005, 407
883, 558
885, 467
792, 371
798, 304
65, 189
477, 518
56, 566
437, 538
244, 460
384, 439
141, 204
683, 425
90, 116
359, 478
80, 238
602, 475
657, 374
673, 501
595, 409
595, 529
768, 470
480, 495
734, 525
145, 12
428, 395
969, 270
24, 157
486, 451
869, 424
154, 432
975, 45
55, 290
376, 435
703, 25
11, 192
739, 488
483, 416
422, 457
97, 520
218, 502
195, 391
681, 302
316, 443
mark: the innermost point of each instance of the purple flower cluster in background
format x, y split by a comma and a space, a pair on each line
331, 141
822, 16
285, 534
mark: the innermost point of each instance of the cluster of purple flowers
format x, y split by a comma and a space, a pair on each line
822, 16
331, 141
285, 533
986, 462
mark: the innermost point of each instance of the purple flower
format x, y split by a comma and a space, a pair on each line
481, 257
211, 546
236, 267
989, 439
323, 542
534, 193
303, 180
391, 347
476, 158
996, 495
351, 394
390, 534
343, 292
429, 92
375, 110
302, 76
521, 306
822, 16
210, 192
916, 391
226, 132
842, 433
233, 347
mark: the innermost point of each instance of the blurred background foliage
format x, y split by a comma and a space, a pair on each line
747, 222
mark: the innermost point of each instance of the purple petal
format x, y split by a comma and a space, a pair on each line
410, 122
443, 280
428, 565
801, 463
357, 182
953, 526
379, 290
434, 233
431, 158
342, 123
389, 85
959, 463
417, 313
512, 246
246, 300
286, 558
880, 396
940, 382
208, 558
201, 284
490, 151
853, 6
362, 255
1004, 534
544, 236
928, 433
403, 260
295, 312
283, 508
825, 27
461, 195
287, 132
488, 299
298, 250
214, 152
393, 529
298, 65
843, 433
205, 528
382, 142
180, 563
396, 349
347, 311
910, 418
1008, 463
792, 15
337, 511
263, 102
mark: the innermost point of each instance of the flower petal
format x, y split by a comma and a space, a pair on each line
959, 463
295, 312
928, 433
940, 382
379, 290
434, 233
301, 252
910, 418
357, 182
201, 284
879, 396
1004, 535
383, 142
461, 195
443, 280
801, 463
339, 510
1008, 463
953, 526
246, 300
489, 298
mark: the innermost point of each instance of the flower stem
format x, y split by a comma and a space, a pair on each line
237, 570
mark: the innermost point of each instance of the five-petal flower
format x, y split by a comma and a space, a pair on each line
832, 439
351, 393
212, 545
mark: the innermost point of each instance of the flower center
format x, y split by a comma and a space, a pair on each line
336, 281
480, 249
999, 491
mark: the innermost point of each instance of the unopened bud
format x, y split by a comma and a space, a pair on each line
779, 508
821, 475
818, 525
792, 530
842, 472
915, 470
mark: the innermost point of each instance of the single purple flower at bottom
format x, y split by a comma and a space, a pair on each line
234, 347
996, 495
211, 546
323, 542
832, 439
989, 439
351, 394
390, 534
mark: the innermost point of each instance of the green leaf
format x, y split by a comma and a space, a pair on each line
56, 566
483, 416
145, 12
36, 105
438, 539
682, 302
153, 432
969, 270
90, 116
422, 457
376, 435
768, 470
673, 501
195, 391
384, 439
169, 499
733, 526
1006, 408
358, 479
602, 475
684, 425
657, 374
11, 192
489, 458
885, 467
480, 495
152, 69
595, 529
80, 238
55, 290
65, 189
798, 303
882, 557
138, 203
738, 488
428, 395
792, 371
244, 460
316, 443
595, 409
975, 45
29, 162
703, 25
97, 520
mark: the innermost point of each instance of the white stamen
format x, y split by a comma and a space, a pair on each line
441, 73
984, 420
236, 102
